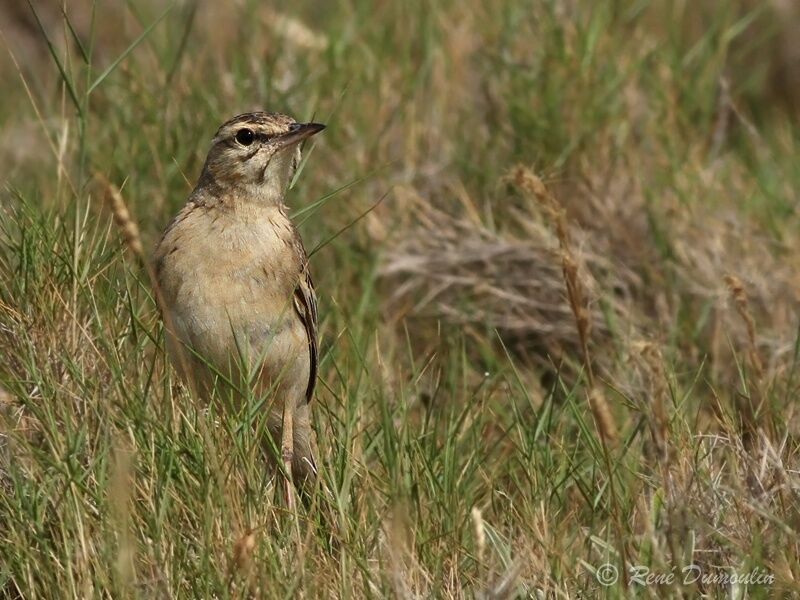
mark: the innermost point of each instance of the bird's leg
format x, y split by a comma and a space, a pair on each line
287, 451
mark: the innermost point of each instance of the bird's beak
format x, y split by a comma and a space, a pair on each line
297, 133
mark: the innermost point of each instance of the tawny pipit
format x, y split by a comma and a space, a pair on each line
233, 274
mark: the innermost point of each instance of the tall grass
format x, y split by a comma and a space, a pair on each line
532, 377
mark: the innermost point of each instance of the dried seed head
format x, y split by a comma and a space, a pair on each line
532, 184
739, 296
480, 531
602, 416
243, 551
122, 217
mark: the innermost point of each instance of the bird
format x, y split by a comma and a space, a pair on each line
236, 294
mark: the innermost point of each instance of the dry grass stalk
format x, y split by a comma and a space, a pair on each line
739, 295
657, 418
603, 419
6, 407
240, 563
748, 403
480, 538
578, 305
122, 217
120, 490
243, 552
533, 185
576, 296
601, 412
132, 239
480, 532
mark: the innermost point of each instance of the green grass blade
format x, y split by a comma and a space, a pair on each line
61, 69
76, 38
128, 50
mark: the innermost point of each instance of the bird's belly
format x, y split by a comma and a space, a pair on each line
240, 326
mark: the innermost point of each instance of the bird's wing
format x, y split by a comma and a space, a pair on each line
305, 303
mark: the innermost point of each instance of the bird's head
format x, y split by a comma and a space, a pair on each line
255, 155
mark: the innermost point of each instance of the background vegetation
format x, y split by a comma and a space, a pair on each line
559, 277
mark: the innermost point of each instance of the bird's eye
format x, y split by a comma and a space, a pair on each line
245, 136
